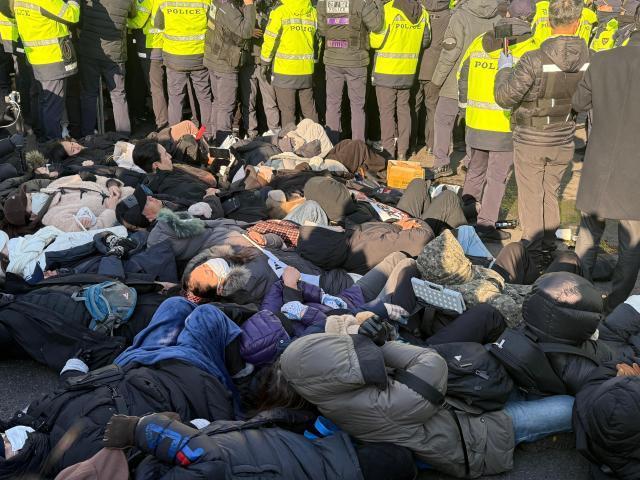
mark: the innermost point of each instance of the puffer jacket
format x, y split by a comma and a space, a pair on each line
71, 194
525, 83
103, 29
469, 20
261, 447
345, 376
264, 334
251, 274
606, 421
566, 309
439, 16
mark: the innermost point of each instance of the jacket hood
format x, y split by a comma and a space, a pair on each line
181, 223
521, 32
298, 6
481, 8
563, 307
569, 53
411, 8
435, 5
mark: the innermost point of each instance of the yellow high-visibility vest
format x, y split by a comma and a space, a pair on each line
185, 25
542, 29
289, 38
397, 47
45, 38
482, 111
8, 34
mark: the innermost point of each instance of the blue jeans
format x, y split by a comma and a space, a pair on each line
536, 419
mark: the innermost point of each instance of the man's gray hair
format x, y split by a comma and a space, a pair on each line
564, 12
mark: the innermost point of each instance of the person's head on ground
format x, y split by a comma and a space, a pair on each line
150, 156
22, 207
564, 16
139, 210
276, 392
59, 150
563, 307
208, 279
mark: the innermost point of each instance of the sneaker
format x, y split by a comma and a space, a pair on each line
492, 234
439, 172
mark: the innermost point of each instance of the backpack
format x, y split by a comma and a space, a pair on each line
110, 305
525, 358
475, 376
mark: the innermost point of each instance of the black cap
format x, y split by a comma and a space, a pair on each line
130, 208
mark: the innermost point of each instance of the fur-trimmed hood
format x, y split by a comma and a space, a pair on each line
239, 275
182, 223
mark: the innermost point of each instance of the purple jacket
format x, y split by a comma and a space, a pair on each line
264, 336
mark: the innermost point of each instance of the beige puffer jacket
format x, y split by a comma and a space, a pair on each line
71, 194
344, 375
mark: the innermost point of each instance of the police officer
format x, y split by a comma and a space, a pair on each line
149, 50
539, 89
542, 30
488, 126
345, 26
184, 25
607, 25
406, 32
288, 57
102, 51
42, 25
226, 48
252, 80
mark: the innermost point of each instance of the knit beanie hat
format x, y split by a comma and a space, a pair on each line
15, 208
443, 261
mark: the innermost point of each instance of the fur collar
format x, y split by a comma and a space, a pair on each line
182, 223
237, 279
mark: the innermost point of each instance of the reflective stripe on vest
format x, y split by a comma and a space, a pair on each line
183, 38
40, 43
554, 68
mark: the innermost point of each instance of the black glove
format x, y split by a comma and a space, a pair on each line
120, 431
265, 70
375, 329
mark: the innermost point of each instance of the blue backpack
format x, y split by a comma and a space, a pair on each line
110, 304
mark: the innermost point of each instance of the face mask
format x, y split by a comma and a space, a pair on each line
17, 436
38, 201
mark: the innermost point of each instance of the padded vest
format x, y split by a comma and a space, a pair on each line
344, 26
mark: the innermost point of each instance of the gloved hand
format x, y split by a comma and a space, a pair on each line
375, 329
336, 303
265, 71
294, 310
505, 61
120, 431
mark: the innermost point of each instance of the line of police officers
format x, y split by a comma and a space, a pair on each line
217, 47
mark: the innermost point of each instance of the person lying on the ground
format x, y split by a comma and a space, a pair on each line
121, 258
25, 256
70, 204
359, 385
357, 249
96, 149
140, 210
174, 365
443, 261
293, 308
269, 444
165, 177
49, 325
517, 265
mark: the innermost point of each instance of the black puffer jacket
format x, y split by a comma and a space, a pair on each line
563, 308
103, 29
258, 448
606, 420
82, 414
526, 83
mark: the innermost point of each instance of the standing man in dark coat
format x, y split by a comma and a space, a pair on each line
538, 90
609, 181
102, 48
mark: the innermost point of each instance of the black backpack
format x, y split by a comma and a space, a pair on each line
525, 358
475, 376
